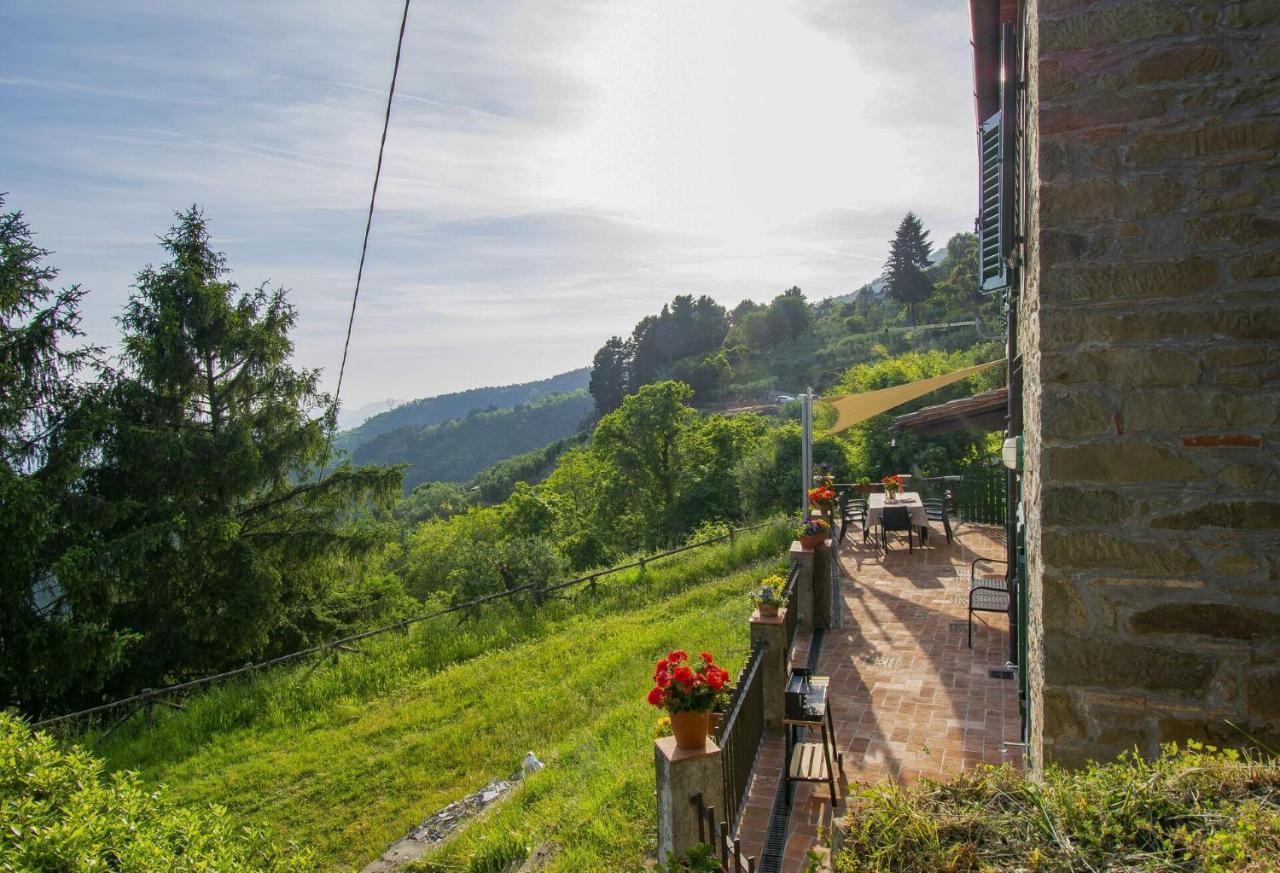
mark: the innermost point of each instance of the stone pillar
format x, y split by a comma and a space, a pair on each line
822, 585
802, 602
772, 634
681, 774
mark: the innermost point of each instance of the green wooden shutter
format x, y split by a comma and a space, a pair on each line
996, 150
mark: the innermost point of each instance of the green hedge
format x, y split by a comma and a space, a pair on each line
60, 812
1197, 809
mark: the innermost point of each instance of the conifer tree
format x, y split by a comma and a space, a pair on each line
216, 456
904, 271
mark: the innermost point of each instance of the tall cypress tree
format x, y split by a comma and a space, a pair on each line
904, 271
216, 455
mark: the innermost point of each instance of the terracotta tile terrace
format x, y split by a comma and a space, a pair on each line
908, 697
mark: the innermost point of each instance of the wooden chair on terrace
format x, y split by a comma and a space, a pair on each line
988, 589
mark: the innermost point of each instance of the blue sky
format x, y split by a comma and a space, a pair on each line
554, 171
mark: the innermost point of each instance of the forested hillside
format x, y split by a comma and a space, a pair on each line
458, 449
435, 410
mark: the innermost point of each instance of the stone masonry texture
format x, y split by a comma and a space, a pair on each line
1149, 327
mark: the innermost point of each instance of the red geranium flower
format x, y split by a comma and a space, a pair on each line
706, 658
684, 676
663, 679
655, 697
677, 655
661, 666
715, 679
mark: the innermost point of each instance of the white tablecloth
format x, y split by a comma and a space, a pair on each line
909, 499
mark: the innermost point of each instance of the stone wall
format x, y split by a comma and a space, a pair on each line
1150, 335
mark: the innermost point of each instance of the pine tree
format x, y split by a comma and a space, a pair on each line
50, 640
904, 271
215, 455
609, 376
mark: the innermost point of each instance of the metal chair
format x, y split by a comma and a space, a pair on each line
936, 510
853, 510
988, 591
896, 518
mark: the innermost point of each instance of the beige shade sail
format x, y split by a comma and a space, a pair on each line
853, 408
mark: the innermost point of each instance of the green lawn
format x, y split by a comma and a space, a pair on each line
346, 759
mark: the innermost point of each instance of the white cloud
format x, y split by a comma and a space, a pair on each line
555, 169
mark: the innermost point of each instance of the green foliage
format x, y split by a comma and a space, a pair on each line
1197, 810
60, 811
496, 483
53, 642
215, 519
768, 475
698, 859
431, 500
461, 448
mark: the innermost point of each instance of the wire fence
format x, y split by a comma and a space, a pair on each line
149, 697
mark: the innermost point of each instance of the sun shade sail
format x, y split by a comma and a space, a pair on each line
853, 408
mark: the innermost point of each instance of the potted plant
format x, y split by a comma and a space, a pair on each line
768, 596
864, 486
812, 532
892, 485
688, 693
822, 475
822, 498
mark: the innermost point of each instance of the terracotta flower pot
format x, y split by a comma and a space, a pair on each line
768, 610
812, 541
690, 729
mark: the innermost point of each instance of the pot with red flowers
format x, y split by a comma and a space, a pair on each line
688, 690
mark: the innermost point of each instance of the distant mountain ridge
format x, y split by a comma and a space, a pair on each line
429, 411
457, 449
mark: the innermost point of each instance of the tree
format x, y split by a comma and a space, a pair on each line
609, 376
641, 444
50, 637
216, 456
904, 274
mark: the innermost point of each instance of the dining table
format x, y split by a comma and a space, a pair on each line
877, 501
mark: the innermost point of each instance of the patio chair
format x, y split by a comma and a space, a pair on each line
853, 509
988, 589
936, 509
896, 518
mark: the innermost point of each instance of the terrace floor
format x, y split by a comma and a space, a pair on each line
908, 696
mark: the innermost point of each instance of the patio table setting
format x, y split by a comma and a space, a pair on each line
877, 503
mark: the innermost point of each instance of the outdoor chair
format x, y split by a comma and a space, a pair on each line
896, 518
936, 509
853, 509
988, 589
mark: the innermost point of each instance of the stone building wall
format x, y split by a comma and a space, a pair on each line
1150, 335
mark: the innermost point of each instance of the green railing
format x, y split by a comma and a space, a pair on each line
981, 495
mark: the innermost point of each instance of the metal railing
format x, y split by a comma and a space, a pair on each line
715, 833
148, 698
740, 732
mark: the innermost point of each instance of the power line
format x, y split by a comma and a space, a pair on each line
373, 196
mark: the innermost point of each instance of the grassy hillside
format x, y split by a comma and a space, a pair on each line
345, 759
436, 410
460, 448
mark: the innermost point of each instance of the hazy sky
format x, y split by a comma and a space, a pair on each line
555, 169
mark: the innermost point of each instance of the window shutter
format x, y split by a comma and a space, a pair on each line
996, 214
992, 270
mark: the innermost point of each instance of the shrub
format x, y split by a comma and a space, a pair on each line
1195, 809
60, 811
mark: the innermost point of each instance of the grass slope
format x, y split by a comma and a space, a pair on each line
345, 759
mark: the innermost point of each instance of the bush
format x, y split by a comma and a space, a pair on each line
1197, 809
59, 811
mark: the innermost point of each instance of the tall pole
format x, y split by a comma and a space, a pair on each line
806, 453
